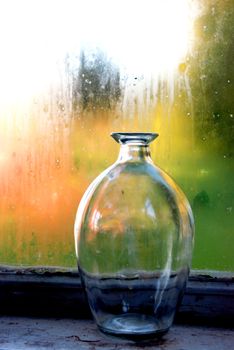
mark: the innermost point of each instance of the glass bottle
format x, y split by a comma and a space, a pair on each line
134, 235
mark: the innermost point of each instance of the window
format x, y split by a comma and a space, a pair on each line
73, 71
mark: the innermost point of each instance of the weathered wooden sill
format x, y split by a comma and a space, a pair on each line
57, 292
25, 333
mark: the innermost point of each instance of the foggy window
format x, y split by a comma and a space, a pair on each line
72, 72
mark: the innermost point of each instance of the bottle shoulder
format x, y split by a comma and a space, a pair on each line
141, 176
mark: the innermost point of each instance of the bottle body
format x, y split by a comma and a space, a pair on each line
134, 233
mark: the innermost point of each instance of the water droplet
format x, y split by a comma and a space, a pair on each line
203, 76
224, 156
204, 28
45, 108
216, 92
229, 81
57, 163
231, 115
204, 139
182, 67
188, 114
54, 196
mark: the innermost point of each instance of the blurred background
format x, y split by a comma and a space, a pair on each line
72, 72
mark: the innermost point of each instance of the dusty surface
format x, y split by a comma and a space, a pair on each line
33, 333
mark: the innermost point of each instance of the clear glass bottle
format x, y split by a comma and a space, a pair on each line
134, 235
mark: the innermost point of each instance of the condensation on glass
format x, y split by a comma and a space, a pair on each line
73, 72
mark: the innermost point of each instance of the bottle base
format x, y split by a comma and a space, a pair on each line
133, 327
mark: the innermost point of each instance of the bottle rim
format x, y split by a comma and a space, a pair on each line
144, 138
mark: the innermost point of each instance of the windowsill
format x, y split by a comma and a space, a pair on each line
34, 294
56, 292
38, 333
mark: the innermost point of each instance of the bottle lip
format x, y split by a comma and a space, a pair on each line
144, 138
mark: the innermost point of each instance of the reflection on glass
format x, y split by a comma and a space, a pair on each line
134, 263
74, 71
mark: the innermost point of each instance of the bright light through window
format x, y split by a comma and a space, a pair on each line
149, 37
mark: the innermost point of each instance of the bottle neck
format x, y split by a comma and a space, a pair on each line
134, 152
